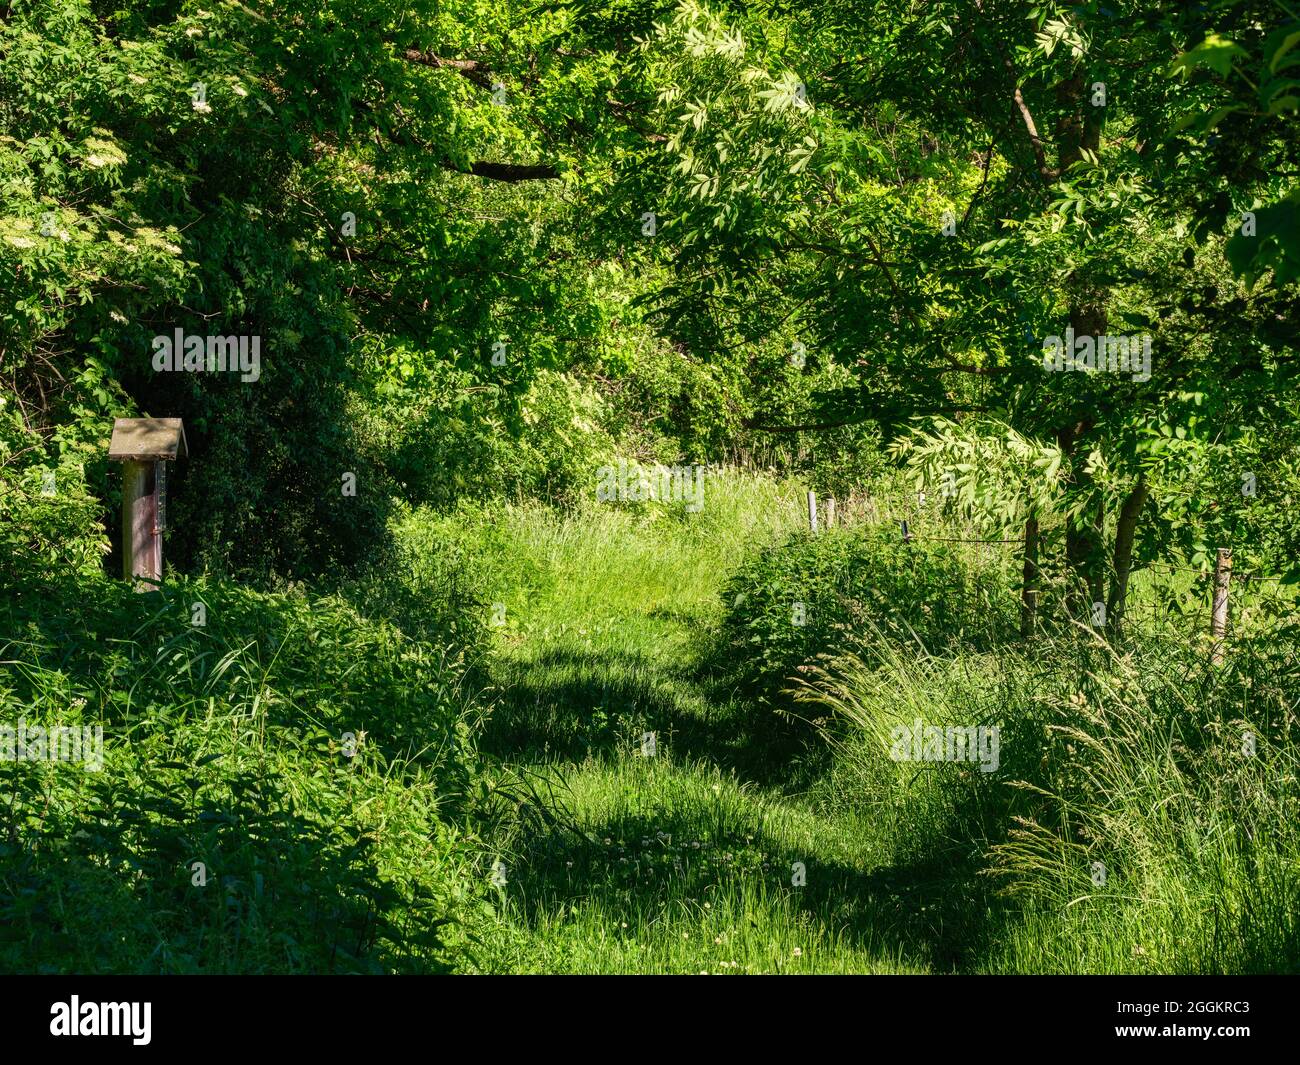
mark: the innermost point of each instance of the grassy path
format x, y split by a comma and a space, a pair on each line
694, 860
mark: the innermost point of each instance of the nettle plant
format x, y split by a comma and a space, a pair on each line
811, 598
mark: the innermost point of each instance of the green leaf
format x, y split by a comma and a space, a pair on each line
1216, 52
1278, 44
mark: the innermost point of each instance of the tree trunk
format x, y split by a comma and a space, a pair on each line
1083, 535
1084, 548
1125, 533
1079, 129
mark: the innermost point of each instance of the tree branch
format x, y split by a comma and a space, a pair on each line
1040, 156
509, 172
858, 419
469, 68
625, 114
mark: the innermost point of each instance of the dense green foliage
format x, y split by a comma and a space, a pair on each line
395, 689
808, 595
313, 762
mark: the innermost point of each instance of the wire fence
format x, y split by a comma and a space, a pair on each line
870, 511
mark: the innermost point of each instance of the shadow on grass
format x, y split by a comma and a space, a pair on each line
567, 704
935, 913
151, 880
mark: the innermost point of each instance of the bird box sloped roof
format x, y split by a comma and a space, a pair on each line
147, 439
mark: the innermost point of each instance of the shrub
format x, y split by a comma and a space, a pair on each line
314, 762
807, 596
49, 514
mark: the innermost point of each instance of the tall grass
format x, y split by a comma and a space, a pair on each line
1174, 845
1141, 819
284, 788
441, 766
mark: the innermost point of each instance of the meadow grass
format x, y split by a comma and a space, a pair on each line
680, 862
686, 861
1142, 819
498, 807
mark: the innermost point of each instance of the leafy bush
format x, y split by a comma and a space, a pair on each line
807, 596
426, 581
316, 764
446, 441
49, 514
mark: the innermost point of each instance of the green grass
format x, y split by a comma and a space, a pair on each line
662, 867
499, 671
683, 862
233, 827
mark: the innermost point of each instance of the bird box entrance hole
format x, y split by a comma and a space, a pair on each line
144, 446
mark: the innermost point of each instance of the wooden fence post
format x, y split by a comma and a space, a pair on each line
1029, 579
1219, 613
830, 513
812, 511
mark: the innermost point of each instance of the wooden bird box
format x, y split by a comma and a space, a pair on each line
147, 440
144, 446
